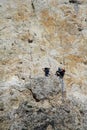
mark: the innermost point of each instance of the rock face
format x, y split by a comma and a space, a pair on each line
35, 34
42, 88
62, 117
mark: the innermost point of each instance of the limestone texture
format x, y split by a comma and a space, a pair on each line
35, 34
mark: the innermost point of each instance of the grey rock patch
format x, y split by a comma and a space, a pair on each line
43, 87
64, 117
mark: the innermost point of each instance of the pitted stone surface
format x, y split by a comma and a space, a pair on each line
42, 88
35, 34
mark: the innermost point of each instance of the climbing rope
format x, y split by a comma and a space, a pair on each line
31, 58
63, 89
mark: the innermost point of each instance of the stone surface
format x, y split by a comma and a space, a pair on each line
35, 34
63, 117
42, 88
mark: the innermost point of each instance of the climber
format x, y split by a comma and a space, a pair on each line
60, 72
46, 70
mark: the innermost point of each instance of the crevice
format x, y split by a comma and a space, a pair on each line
20, 62
30, 40
23, 78
85, 62
33, 6
34, 96
80, 29
74, 2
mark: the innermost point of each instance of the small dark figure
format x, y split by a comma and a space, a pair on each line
60, 72
47, 70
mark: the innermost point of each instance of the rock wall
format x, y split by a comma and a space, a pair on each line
35, 34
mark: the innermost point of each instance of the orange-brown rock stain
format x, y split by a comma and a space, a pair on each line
48, 21
20, 16
75, 59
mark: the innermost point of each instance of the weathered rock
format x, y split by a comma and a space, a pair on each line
35, 118
42, 88
1, 106
35, 34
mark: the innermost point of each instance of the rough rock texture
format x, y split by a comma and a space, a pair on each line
42, 88
62, 117
35, 34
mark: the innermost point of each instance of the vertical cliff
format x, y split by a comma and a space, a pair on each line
35, 34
